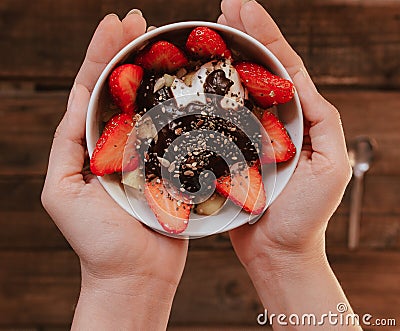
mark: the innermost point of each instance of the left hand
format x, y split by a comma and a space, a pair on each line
118, 254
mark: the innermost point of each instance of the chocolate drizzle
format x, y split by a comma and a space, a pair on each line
217, 83
197, 138
147, 98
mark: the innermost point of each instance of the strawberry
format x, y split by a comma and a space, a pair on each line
245, 189
266, 88
123, 83
162, 56
206, 43
283, 148
108, 155
172, 214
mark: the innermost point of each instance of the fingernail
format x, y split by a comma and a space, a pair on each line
135, 12
112, 15
245, 1
151, 28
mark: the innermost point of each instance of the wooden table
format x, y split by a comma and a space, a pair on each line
352, 49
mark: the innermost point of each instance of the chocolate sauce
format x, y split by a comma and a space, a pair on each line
197, 138
147, 98
217, 83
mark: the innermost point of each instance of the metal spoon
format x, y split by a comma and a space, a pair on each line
361, 152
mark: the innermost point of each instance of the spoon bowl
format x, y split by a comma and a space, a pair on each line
361, 152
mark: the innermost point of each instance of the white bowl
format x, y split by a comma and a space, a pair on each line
290, 114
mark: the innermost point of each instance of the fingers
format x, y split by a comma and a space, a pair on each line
134, 25
106, 42
67, 155
222, 20
326, 131
231, 11
259, 24
151, 28
110, 37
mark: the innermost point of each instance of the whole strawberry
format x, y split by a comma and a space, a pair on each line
204, 42
162, 56
265, 88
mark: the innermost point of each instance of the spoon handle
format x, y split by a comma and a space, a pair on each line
355, 212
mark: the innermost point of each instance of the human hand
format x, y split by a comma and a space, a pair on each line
295, 223
284, 252
120, 258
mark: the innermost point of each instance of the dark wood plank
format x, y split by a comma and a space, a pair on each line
29, 230
51, 36
29, 122
360, 273
159, 12
377, 232
374, 114
335, 37
218, 289
33, 117
380, 196
40, 288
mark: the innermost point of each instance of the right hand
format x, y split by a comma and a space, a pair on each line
294, 225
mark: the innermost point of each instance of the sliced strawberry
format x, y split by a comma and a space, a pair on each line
245, 189
281, 147
172, 214
206, 43
123, 83
108, 155
266, 88
162, 56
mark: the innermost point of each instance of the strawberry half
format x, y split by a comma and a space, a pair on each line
245, 189
266, 88
281, 147
206, 43
172, 214
108, 155
162, 56
123, 83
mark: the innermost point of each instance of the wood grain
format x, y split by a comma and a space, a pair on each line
28, 121
335, 38
38, 288
41, 288
51, 37
374, 114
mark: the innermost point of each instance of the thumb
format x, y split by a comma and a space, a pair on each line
68, 150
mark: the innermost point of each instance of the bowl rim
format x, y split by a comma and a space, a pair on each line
142, 41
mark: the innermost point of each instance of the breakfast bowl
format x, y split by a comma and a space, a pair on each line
139, 186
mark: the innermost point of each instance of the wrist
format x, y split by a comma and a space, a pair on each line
297, 283
280, 262
134, 302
